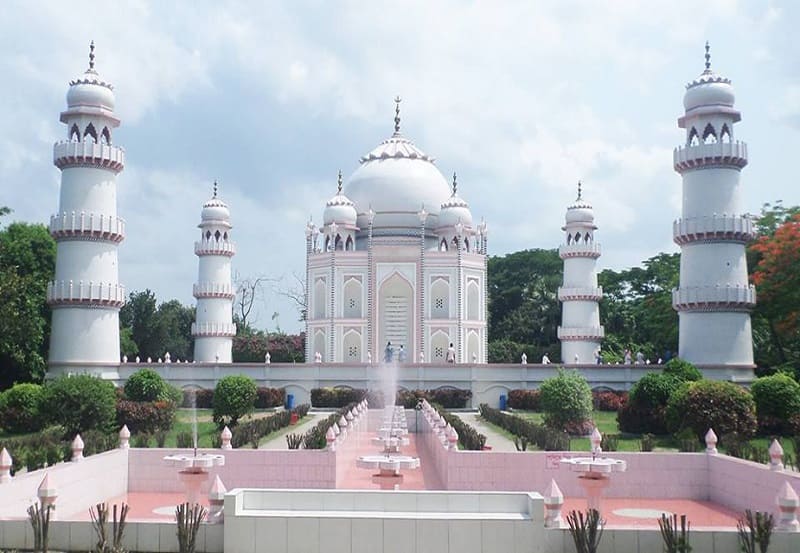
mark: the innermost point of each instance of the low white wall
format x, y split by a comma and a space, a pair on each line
486, 381
380, 522
740, 484
87, 482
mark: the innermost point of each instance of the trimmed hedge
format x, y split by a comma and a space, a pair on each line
527, 400
267, 398
645, 411
336, 397
79, 403
468, 437
545, 438
234, 397
609, 400
146, 416
315, 437
252, 431
449, 398
48, 447
146, 385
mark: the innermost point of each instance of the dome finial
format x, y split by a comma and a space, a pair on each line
215, 188
579, 190
708, 57
397, 101
339, 183
91, 56
455, 184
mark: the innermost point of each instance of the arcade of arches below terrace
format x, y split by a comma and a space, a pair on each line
486, 381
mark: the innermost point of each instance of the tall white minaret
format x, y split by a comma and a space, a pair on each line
580, 331
86, 295
714, 298
214, 330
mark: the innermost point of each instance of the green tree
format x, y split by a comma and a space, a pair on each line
139, 315
636, 309
27, 264
174, 329
523, 304
234, 397
151, 331
566, 400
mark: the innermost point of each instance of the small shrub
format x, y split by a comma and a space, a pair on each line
647, 442
586, 530
294, 441
527, 400
755, 531
336, 397
146, 385
777, 400
705, 404
234, 397
468, 437
449, 398
528, 432
141, 440
645, 410
20, 408
204, 399
687, 441
79, 403
161, 437
566, 399
676, 539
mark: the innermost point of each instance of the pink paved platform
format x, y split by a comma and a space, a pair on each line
619, 512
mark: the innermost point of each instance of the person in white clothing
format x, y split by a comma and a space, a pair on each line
451, 354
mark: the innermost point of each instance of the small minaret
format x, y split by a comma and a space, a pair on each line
714, 298
580, 331
86, 295
214, 329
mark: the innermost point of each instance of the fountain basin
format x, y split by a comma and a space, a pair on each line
199, 462
600, 465
387, 464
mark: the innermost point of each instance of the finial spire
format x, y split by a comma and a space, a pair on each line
397, 101
339, 183
215, 188
91, 56
708, 56
455, 184
579, 190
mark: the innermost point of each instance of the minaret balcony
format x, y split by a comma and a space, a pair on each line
714, 298
87, 226
82, 154
581, 333
212, 290
214, 330
720, 154
66, 293
215, 247
728, 228
580, 249
580, 294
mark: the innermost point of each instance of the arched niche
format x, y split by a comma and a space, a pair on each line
440, 341
395, 312
473, 301
319, 343
351, 347
352, 308
440, 299
320, 297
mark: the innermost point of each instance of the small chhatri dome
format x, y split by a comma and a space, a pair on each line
455, 210
395, 178
709, 89
215, 211
340, 209
89, 89
580, 211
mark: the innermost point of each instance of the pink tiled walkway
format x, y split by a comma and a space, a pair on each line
701, 514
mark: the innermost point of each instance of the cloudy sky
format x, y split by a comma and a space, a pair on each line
522, 99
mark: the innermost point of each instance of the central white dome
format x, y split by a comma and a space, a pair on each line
396, 180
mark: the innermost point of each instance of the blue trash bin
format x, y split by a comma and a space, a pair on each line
503, 400
289, 401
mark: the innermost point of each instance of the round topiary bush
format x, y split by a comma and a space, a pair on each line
723, 406
647, 402
80, 402
234, 397
683, 370
146, 385
566, 400
777, 399
20, 409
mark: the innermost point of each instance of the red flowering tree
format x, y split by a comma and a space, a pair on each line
777, 279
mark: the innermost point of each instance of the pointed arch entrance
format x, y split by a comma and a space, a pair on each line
396, 313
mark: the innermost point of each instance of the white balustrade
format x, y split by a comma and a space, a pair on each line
580, 333
60, 292
214, 247
733, 227
213, 329
212, 290
588, 294
585, 249
687, 297
98, 225
68, 153
726, 153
